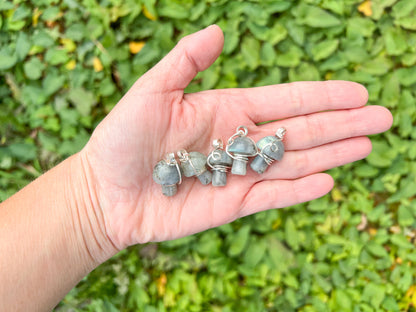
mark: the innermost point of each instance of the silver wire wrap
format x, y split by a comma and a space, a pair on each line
215, 155
184, 157
171, 161
280, 133
241, 132
266, 158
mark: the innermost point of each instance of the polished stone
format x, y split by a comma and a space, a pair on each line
219, 178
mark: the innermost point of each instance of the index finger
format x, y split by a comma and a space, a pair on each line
296, 98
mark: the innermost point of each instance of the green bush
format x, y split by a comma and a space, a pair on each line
64, 65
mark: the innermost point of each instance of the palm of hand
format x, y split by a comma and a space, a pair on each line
153, 120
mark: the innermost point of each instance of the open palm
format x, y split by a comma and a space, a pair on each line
326, 123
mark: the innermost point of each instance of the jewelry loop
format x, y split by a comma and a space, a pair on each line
242, 130
183, 155
171, 161
280, 133
216, 155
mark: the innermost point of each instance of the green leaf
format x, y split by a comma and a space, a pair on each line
291, 281
42, 38
390, 304
401, 241
391, 92
260, 32
7, 59
23, 45
378, 7
51, 14
403, 8
198, 10
356, 54
407, 189
276, 34
76, 32
296, 32
210, 77
333, 63
409, 59
324, 49
255, 252
267, 54
209, 243
48, 142
239, 241
173, 10
256, 13
52, 83
83, 100
306, 71
406, 22
250, 49
395, 40
23, 152
374, 294
376, 249
366, 171
281, 257
94, 28
340, 300
21, 12
405, 216
407, 76
277, 6
382, 155
378, 66
148, 54
291, 234
33, 68
315, 17
107, 87
6, 5
231, 35
291, 58
56, 56
361, 26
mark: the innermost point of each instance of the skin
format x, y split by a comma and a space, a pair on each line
103, 199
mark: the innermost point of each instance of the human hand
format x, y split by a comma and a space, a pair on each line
326, 126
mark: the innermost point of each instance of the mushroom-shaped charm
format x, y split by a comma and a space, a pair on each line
270, 148
240, 148
193, 164
220, 163
168, 174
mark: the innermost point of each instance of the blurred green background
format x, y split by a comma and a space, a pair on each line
64, 65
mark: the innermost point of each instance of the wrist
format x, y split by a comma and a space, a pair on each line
88, 218
51, 238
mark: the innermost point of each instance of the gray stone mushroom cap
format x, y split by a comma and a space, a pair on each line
196, 166
265, 147
243, 146
270, 148
167, 176
223, 160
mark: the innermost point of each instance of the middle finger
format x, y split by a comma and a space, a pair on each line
317, 129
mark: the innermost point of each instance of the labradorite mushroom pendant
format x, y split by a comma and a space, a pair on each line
270, 148
168, 174
240, 147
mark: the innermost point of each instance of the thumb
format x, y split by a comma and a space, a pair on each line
193, 53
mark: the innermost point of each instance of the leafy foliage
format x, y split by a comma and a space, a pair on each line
64, 65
